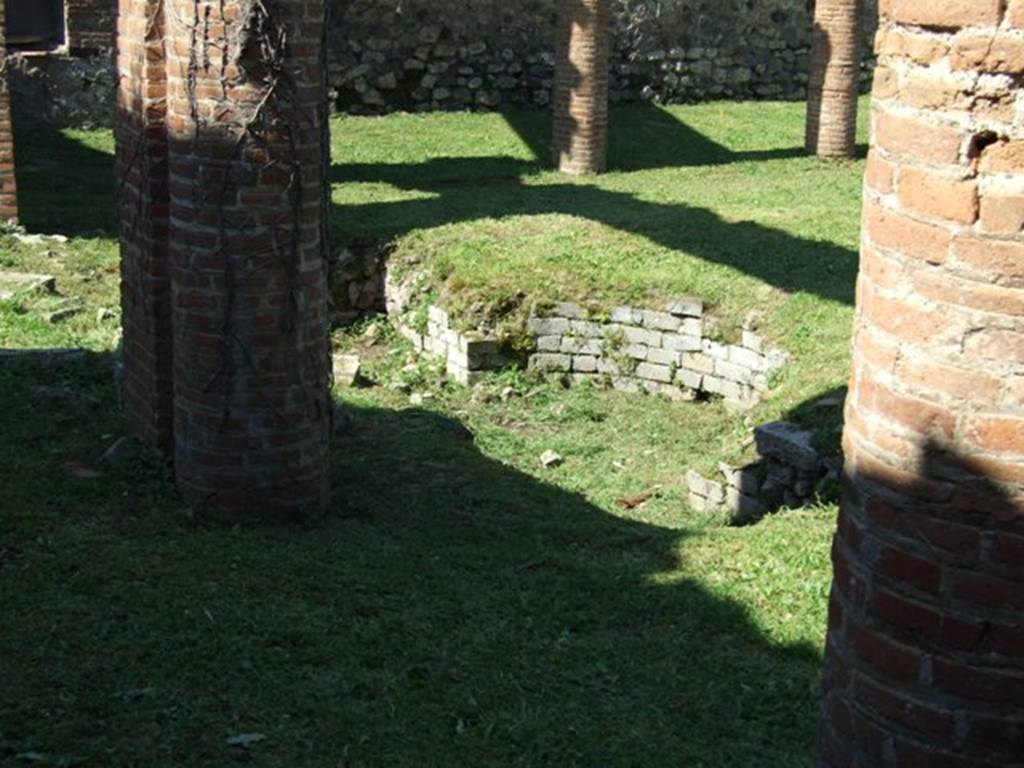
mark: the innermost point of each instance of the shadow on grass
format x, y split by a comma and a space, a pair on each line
64, 186
467, 189
644, 137
450, 611
67, 187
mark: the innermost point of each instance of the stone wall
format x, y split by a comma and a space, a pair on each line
430, 54
925, 649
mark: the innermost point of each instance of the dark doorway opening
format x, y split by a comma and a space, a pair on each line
35, 23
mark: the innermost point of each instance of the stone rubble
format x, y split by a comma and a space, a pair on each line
788, 474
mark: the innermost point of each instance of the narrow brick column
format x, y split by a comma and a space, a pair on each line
580, 95
141, 172
925, 651
248, 178
8, 191
834, 77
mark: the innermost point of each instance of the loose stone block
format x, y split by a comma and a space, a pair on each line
477, 346
584, 364
746, 358
663, 356
719, 386
636, 351
681, 343
574, 345
551, 362
732, 372
660, 321
692, 327
715, 350
686, 306
548, 326
586, 328
437, 315
752, 341
654, 372
698, 362
569, 310
13, 283
690, 379
643, 336
746, 479
458, 358
626, 315
788, 444
549, 343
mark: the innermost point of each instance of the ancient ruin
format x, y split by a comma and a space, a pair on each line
924, 646
222, 157
580, 95
832, 89
222, 193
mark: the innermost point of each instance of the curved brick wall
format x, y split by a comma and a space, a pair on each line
225, 268
832, 87
580, 94
925, 652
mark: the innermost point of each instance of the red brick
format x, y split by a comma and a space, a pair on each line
917, 139
999, 434
944, 14
896, 232
939, 196
987, 52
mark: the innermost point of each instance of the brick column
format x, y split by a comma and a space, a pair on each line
8, 191
834, 77
580, 94
925, 650
141, 173
246, 104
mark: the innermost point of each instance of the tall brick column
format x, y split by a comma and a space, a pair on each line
8, 191
580, 93
925, 651
141, 172
246, 116
834, 75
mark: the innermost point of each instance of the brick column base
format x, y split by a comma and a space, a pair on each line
925, 651
834, 79
580, 93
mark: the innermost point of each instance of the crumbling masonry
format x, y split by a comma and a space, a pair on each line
222, 193
925, 652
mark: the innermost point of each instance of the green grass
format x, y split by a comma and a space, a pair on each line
460, 605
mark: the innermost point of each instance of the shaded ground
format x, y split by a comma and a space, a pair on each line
460, 605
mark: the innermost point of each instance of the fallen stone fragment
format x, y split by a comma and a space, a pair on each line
550, 459
62, 313
346, 370
15, 283
788, 444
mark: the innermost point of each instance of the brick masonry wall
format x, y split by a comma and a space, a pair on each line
141, 170
834, 76
925, 650
580, 91
8, 192
246, 116
89, 24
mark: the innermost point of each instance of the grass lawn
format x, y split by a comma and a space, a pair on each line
461, 606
